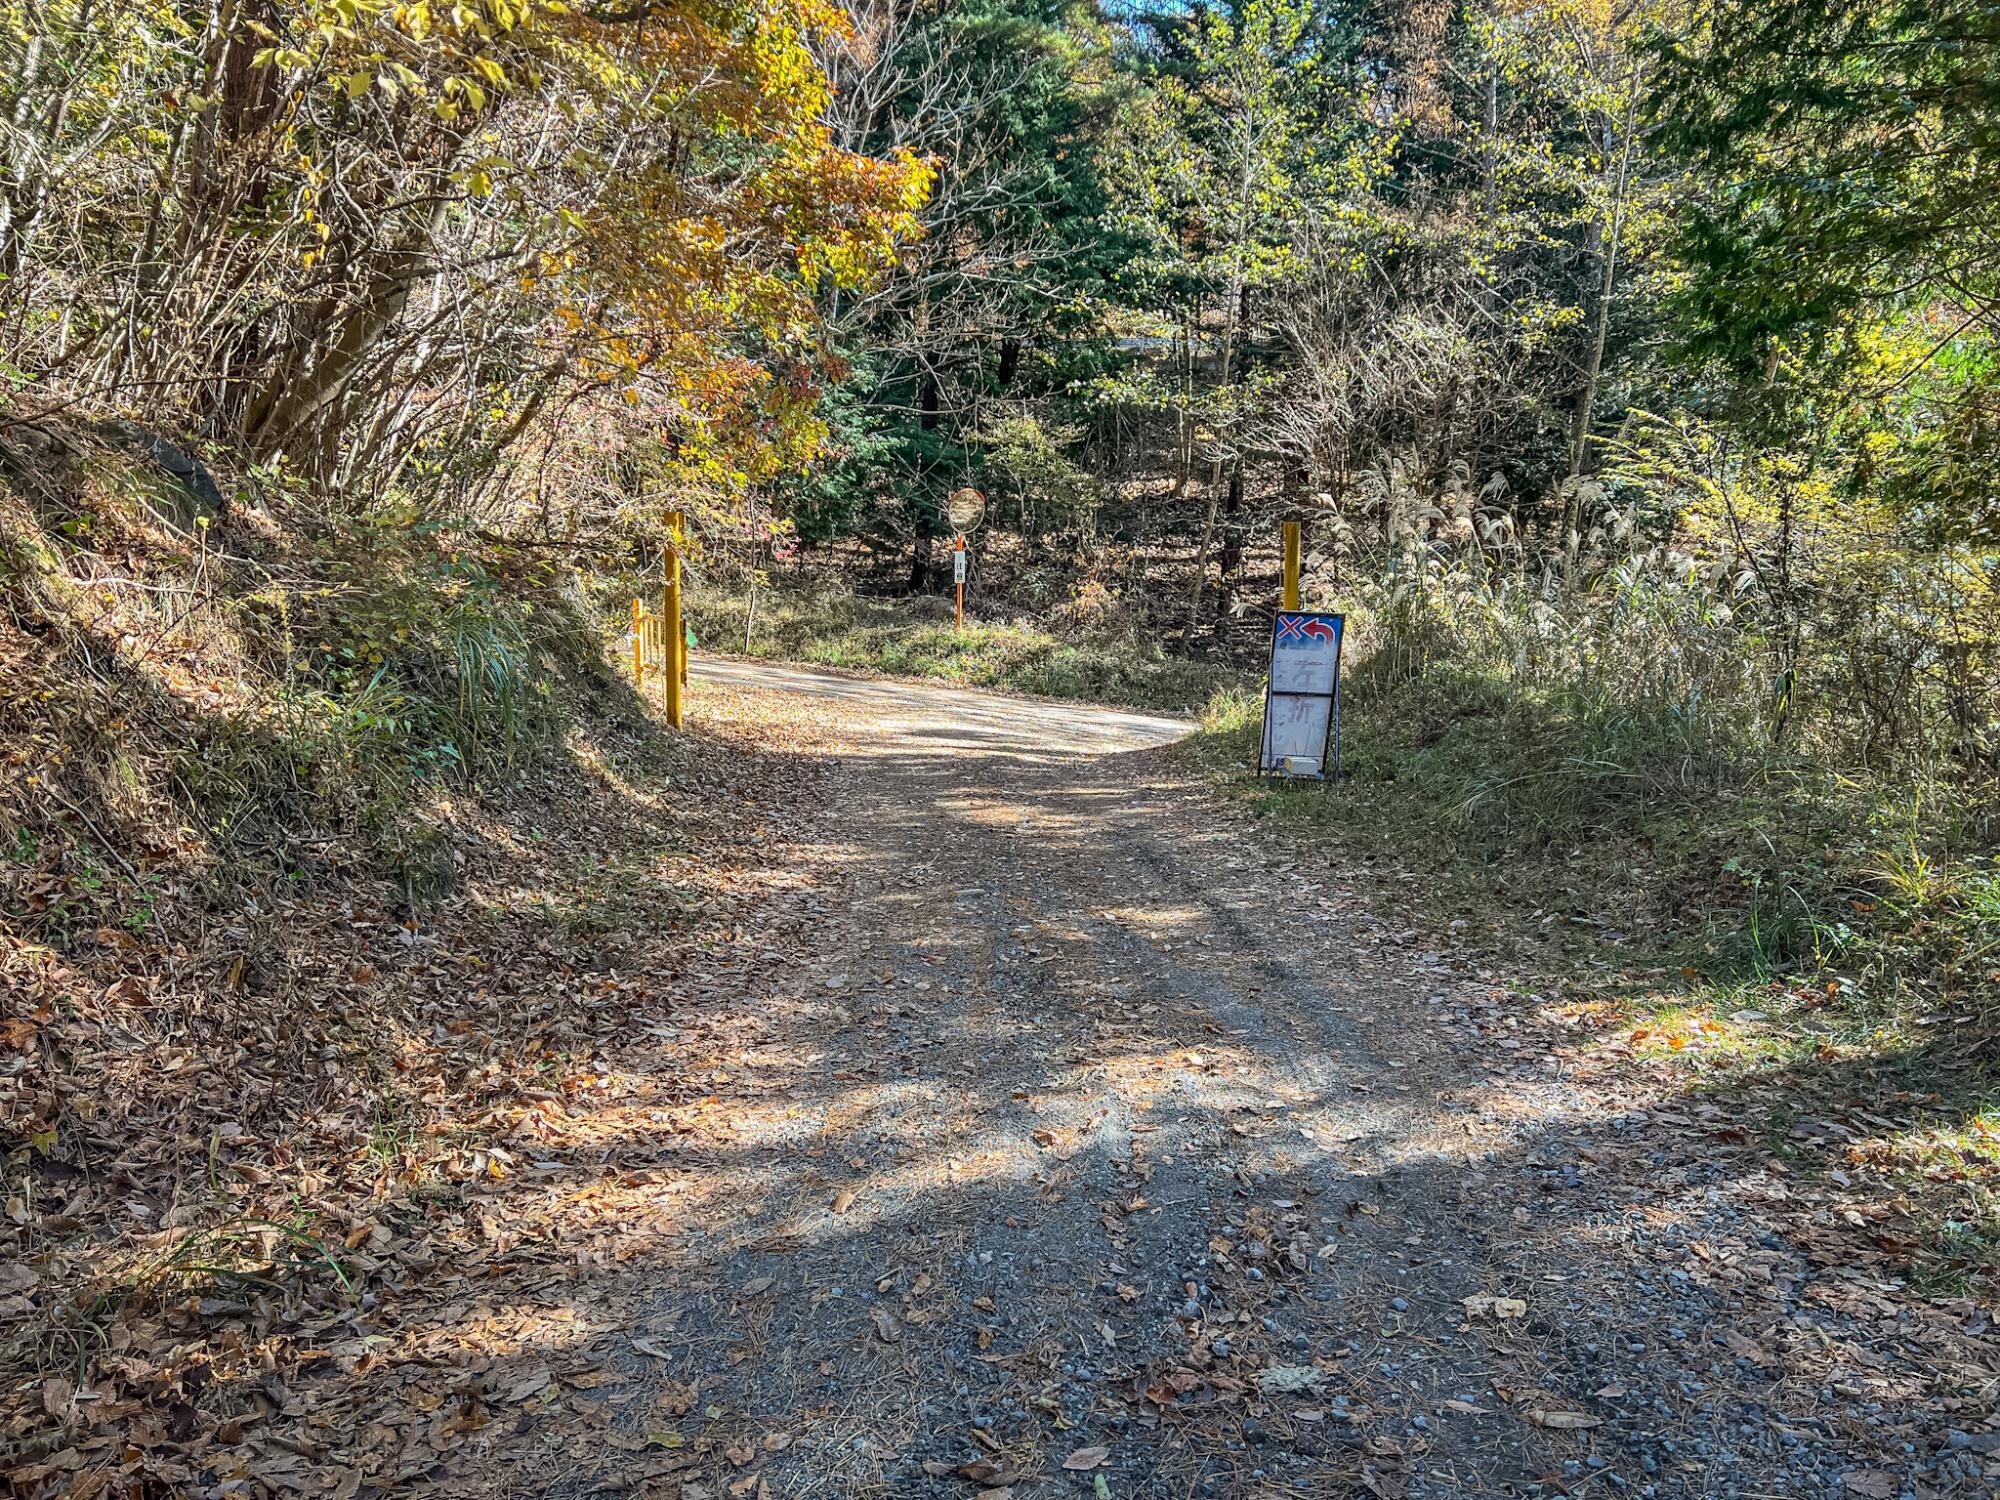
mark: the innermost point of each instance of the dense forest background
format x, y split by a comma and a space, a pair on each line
1552, 321
1631, 365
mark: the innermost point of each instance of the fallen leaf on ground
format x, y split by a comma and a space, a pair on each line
1497, 1308
1565, 1421
1745, 1348
1086, 1458
1876, 1484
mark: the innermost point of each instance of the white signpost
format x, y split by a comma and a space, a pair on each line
1302, 703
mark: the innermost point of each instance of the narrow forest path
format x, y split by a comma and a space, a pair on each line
1043, 1125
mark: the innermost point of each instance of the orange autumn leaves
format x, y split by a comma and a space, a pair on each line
710, 258
677, 204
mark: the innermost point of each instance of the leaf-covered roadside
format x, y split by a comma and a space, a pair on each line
307, 1131
334, 865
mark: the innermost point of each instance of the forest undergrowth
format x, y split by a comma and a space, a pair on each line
1580, 797
1633, 373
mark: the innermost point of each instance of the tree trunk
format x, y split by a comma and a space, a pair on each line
1593, 370
1488, 293
1489, 152
1230, 558
929, 413
1224, 431
287, 405
1184, 430
920, 564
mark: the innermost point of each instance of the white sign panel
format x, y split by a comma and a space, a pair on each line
1302, 704
958, 565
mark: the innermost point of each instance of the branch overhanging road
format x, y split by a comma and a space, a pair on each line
1104, 1139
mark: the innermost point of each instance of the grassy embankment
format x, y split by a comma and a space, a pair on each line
249, 749
1752, 923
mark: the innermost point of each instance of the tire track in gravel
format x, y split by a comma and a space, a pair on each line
1104, 1116
1305, 1049
1096, 1268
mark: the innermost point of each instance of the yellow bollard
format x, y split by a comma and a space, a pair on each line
638, 648
1291, 565
675, 664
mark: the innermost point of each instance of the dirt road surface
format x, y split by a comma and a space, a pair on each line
1045, 1127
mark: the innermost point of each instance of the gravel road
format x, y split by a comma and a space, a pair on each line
1105, 1143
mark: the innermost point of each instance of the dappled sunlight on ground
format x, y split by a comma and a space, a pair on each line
995, 1097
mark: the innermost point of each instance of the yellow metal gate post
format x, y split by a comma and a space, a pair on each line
1291, 565
675, 664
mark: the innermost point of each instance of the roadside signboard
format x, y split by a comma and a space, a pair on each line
958, 565
1302, 702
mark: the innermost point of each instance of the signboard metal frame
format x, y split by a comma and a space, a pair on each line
1304, 625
